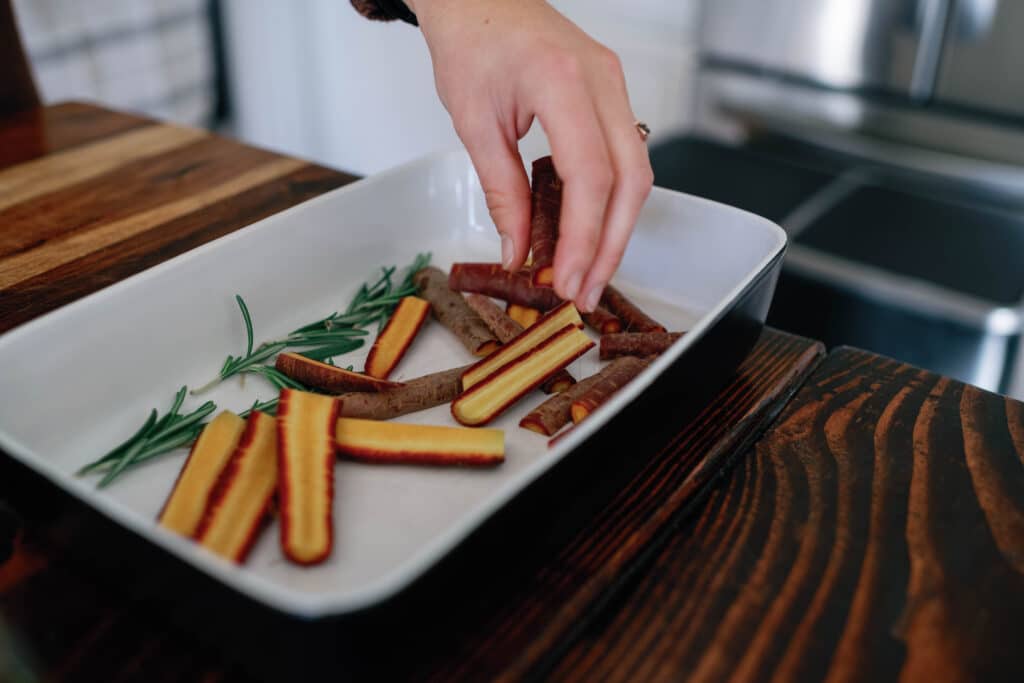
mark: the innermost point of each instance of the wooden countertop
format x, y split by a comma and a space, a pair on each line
874, 529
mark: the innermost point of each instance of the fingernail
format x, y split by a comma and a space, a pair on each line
593, 297
508, 251
572, 285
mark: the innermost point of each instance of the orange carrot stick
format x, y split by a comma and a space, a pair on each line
329, 378
524, 315
490, 397
394, 442
238, 504
551, 323
305, 452
184, 508
397, 335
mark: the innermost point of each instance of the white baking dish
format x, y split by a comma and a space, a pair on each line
77, 381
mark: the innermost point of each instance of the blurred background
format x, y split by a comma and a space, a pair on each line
886, 136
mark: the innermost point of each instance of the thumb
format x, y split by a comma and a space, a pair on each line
506, 189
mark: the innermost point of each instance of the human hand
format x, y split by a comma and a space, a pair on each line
500, 64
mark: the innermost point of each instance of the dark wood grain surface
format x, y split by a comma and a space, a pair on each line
523, 631
876, 533
89, 197
521, 598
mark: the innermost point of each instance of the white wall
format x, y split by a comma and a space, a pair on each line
316, 80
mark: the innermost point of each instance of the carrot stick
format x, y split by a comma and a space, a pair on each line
305, 436
491, 279
639, 344
329, 378
602, 320
396, 337
393, 442
414, 395
614, 377
506, 329
490, 397
523, 315
238, 504
523, 343
452, 311
633, 319
554, 413
183, 511
546, 203
501, 324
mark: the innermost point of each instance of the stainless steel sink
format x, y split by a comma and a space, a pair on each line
899, 263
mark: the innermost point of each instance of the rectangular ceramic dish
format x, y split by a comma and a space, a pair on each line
79, 380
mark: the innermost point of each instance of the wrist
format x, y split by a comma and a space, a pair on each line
385, 10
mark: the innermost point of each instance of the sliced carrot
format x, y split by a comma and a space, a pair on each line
305, 452
555, 320
490, 397
184, 508
238, 503
506, 330
397, 335
394, 442
524, 315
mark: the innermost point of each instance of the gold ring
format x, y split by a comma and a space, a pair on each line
643, 129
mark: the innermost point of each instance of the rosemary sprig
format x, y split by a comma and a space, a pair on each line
373, 302
155, 437
240, 365
324, 343
334, 335
322, 340
269, 407
278, 379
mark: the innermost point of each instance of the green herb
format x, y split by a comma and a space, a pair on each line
373, 302
335, 335
269, 407
278, 379
236, 366
322, 340
155, 437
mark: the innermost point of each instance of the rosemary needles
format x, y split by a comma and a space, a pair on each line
337, 334
334, 335
156, 437
324, 343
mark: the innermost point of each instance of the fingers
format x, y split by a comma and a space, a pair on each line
632, 172
505, 186
567, 114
